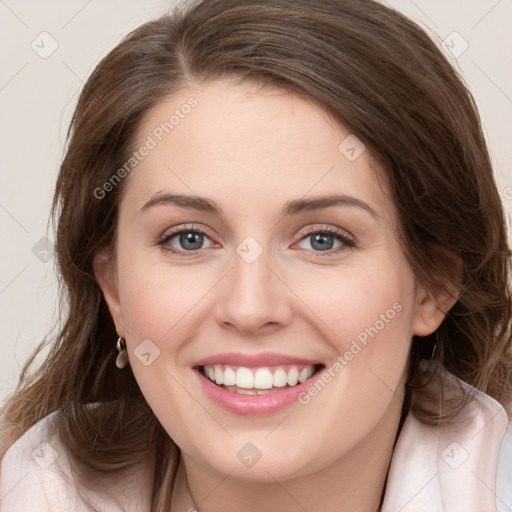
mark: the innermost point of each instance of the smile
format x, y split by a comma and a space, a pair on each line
253, 385
257, 381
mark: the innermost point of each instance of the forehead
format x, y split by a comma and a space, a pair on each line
240, 142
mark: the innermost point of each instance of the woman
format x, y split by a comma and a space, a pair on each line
336, 336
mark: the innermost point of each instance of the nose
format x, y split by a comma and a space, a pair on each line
253, 299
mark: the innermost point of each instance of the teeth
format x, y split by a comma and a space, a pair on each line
293, 376
303, 375
279, 378
244, 378
229, 378
246, 391
257, 381
263, 379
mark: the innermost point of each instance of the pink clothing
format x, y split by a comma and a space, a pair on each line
433, 469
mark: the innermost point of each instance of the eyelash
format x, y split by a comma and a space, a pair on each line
347, 242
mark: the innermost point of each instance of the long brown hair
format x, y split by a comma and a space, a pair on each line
371, 69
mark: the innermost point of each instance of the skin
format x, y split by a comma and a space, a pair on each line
250, 151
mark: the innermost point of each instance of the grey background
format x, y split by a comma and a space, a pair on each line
37, 96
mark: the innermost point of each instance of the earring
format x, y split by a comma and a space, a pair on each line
122, 357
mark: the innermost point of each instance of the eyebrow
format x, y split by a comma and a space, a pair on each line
293, 207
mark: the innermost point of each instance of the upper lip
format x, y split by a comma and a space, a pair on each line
254, 360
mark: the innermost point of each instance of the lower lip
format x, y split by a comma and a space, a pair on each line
253, 405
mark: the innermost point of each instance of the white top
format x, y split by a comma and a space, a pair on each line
433, 469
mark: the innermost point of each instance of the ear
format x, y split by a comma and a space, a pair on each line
434, 303
107, 280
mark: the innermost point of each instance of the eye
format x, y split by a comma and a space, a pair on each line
191, 240
329, 240
188, 240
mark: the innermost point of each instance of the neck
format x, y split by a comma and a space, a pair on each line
355, 482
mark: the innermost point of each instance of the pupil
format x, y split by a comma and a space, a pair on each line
196, 239
324, 241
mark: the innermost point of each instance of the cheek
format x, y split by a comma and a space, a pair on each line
359, 302
155, 296
159, 306
365, 313
369, 314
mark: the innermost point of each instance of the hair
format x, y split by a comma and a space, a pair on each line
375, 72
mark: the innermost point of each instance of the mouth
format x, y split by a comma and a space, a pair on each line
258, 381
255, 385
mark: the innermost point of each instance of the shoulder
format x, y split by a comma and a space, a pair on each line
36, 475
453, 465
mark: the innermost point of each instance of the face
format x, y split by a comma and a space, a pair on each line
255, 250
